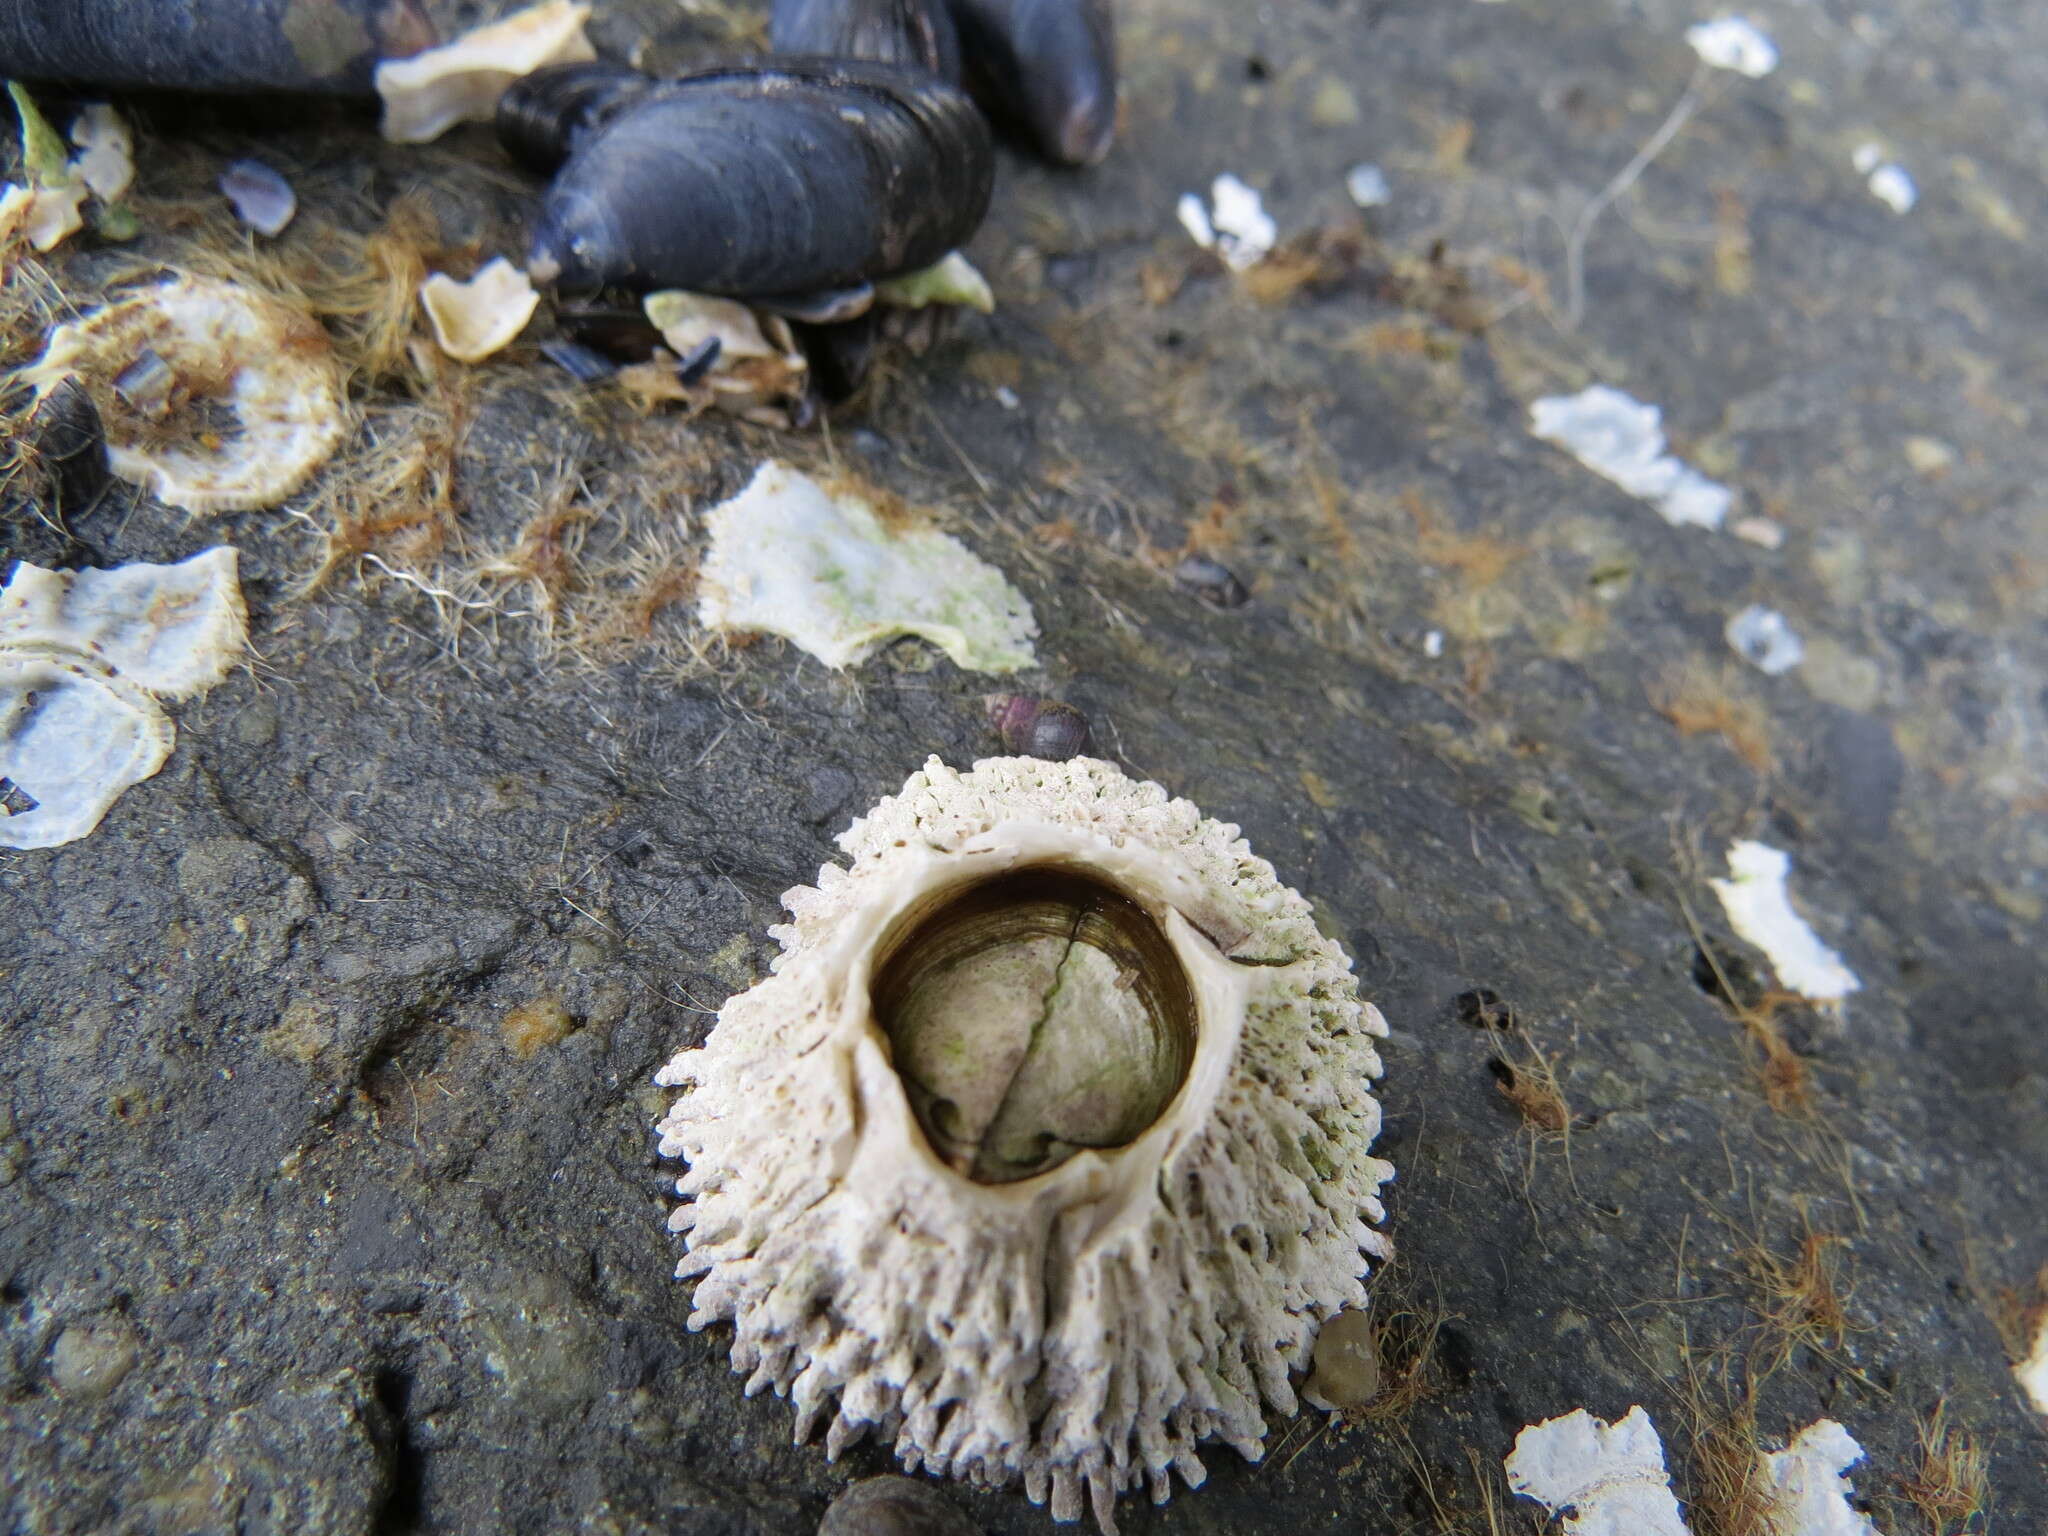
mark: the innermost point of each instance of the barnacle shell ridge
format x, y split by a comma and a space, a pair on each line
1086, 1327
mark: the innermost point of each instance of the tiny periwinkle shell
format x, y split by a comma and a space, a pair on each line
894, 1506
1033, 727
911, 34
1051, 66
543, 117
779, 178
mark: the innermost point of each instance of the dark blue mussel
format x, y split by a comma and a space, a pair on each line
1048, 66
542, 118
210, 45
796, 176
911, 34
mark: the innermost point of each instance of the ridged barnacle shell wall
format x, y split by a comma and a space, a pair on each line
1044, 1149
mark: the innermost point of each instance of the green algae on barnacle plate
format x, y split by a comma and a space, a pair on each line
1045, 1150
822, 569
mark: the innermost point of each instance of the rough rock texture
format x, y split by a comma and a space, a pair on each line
261, 1115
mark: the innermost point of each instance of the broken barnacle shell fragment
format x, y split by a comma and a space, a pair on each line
1044, 1151
255, 400
752, 363
473, 320
911, 34
782, 178
210, 45
461, 82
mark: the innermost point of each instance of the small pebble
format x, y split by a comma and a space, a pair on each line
1347, 1373
1215, 584
894, 1506
263, 200
1368, 187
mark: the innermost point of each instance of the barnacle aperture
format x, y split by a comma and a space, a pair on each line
1031, 1016
1045, 1149
784, 178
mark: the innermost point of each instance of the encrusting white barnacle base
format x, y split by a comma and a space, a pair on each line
1088, 1319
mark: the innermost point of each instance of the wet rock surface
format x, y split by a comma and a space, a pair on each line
328, 1196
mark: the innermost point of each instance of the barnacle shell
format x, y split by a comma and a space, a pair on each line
784, 178
1087, 1326
267, 366
460, 82
911, 34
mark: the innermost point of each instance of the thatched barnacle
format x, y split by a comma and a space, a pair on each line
1045, 1149
792, 177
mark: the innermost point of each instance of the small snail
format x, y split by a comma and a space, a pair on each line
210, 45
794, 177
1038, 727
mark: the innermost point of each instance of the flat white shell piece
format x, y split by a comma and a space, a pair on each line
823, 571
1235, 224
1622, 439
1765, 639
460, 82
105, 161
484, 315
72, 737
1610, 1476
268, 365
1808, 1492
2032, 1372
84, 658
1759, 907
1734, 43
175, 630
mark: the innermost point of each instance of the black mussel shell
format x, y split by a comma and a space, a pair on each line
1048, 65
210, 45
67, 443
895, 1506
543, 117
786, 177
911, 34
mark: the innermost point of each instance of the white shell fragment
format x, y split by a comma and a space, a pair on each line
1893, 186
43, 216
1621, 439
1809, 1495
759, 368
1366, 185
105, 161
1759, 908
268, 367
1610, 1477
460, 82
84, 658
1086, 1327
1235, 225
1734, 43
1765, 639
2032, 1372
472, 320
953, 279
262, 199
824, 571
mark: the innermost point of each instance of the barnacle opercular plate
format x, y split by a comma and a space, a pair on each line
256, 405
1045, 1149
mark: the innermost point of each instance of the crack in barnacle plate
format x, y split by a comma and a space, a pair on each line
1044, 1151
